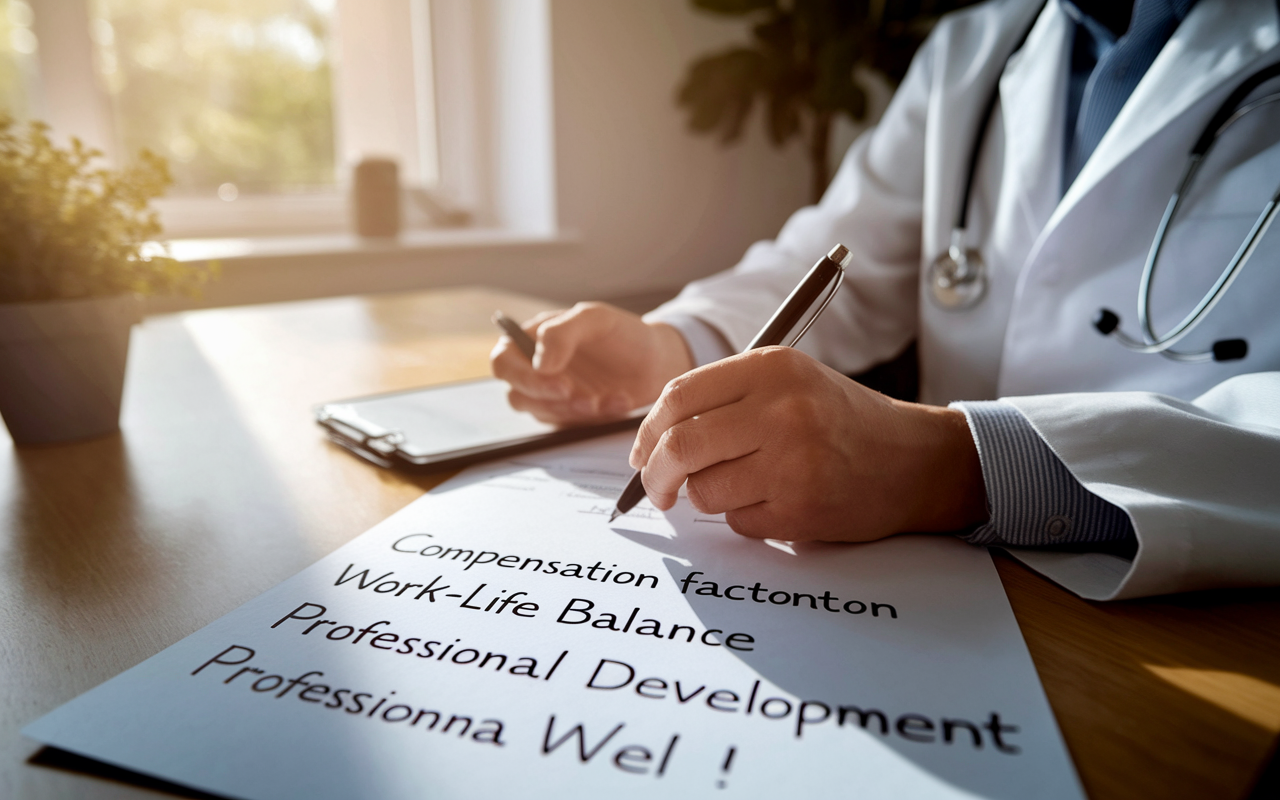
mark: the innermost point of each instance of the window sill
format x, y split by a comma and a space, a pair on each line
271, 269
268, 248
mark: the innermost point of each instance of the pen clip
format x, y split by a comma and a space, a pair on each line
835, 287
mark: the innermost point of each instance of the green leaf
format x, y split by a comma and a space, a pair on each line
818, 21
720, 89
776, 36
834, 88
801, 60
784, 117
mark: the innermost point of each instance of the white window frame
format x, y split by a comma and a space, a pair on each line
474, 75
22, 61
383, 106
495, 107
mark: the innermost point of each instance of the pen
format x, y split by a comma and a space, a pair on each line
517, 334
829, 267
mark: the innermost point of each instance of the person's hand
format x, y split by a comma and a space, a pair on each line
790, 449
593, 362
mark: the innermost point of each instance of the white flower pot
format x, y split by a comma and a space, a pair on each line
62, 367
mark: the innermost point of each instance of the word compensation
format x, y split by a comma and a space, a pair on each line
781, 597
415, 544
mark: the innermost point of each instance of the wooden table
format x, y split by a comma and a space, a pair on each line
221, 486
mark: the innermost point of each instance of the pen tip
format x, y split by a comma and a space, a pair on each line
616, 513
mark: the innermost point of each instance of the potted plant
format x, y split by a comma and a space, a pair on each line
73, 262
801, 63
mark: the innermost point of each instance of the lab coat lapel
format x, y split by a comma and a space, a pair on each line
1031, 108
1217, 40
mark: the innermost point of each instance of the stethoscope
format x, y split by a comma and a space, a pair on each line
958, 278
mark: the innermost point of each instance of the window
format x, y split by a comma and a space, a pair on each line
236, 94
261, 107
17, 57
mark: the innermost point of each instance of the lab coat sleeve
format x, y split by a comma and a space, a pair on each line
705, 343
873, 206
1200, 482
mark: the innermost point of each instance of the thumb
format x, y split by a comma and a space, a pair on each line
559, 339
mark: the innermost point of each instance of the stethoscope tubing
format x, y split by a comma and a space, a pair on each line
959, 269
1152, 342
1162, 344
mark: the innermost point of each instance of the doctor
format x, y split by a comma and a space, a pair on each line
1114, 472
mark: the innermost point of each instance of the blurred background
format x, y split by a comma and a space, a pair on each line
540, 144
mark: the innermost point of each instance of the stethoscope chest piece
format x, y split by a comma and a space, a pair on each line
958, 278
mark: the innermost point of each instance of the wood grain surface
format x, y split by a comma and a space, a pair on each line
220, 486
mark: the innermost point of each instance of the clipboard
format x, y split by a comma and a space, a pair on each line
447, 426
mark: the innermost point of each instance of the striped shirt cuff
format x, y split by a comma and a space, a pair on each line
1033, 498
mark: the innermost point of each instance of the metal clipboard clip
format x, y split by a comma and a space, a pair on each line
346, 423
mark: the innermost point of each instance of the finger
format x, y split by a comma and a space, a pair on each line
541, 410
551, 411
756, 521
722, 434
509, 364
504, 349
693, 393
590, 404
559, 338
503, 362
576, 410
531, 325
730, 485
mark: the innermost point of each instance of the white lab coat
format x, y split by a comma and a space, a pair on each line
1190, 451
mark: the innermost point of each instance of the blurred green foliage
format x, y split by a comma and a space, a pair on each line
71, 230
231, 91
800, 64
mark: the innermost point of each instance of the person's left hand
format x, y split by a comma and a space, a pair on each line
790, 449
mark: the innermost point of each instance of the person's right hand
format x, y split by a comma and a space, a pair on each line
593, 362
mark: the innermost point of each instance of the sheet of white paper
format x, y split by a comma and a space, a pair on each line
499, 638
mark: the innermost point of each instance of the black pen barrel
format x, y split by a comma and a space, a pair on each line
512, 329
798, 302
630, 496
